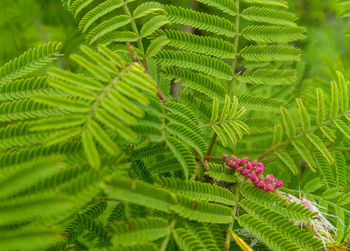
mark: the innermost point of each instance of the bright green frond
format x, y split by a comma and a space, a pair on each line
30, 61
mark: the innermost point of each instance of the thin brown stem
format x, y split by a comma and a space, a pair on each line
135, 58
212, 143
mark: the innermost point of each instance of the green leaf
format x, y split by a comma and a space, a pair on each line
153, 25
317, 142
305, 153
139, 230
334, 100
90, 149
304, 116
288, 123
320, 113
287, 160
183, 155
102, 138
156, 46
277, 135
141, 193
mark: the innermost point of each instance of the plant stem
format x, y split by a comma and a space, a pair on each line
167, 238
236, 42
234, 212
234, 64
135, 29
212, 143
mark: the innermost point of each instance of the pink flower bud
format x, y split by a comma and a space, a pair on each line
267, 180
254, 163
253, 176
279, 184
268, 188
224, 155
261, 184
246, 171
238, 161
230, 163
260, 164
259, 170
249, 166
233, 157
244, 160
256, 182
239, 169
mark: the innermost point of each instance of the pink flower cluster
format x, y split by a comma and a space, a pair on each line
254, 171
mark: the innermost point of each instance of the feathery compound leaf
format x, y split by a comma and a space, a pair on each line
280, 3
341, 170
342, 127
139, 230
277, 135
117, 37
320, 146
320, 113
141, 193
196, 81
334, 109
156, 46
102, 138
208, 65
35, 207
90, 149
106, 27
30, 61
33, 238
287, 160
205, 235
147, 8
200, 20
292, 210
199, 191
201, 44
188, 136
273, 34
267, 234
226, 6
202, 211
187, 241
76, 79
69, 104
288, 123
23, 176
153, 25
261, 53
96, 13
268, 77
326, 171
183, 154
301, 238
343, 92
24, 88
254, 103
220, 172
305, 154
304, 116
26, 109
270, 16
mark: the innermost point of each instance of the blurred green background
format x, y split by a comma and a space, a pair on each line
26, 23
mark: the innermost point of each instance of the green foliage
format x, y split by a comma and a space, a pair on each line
113, 147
